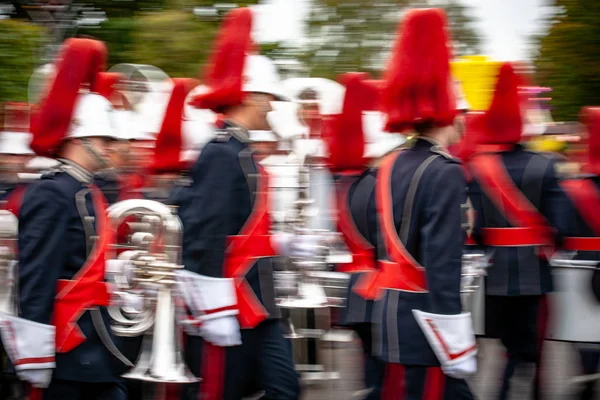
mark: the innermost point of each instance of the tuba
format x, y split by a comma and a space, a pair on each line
9, 226
144, 267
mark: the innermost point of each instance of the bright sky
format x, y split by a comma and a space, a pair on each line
505, 25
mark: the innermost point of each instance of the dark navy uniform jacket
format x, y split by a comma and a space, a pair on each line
361, 202
55, 226
519, 271
578, 227
108, 182
216, 205
431, 232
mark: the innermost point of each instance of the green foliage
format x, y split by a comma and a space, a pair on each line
357, 35
20, 43
569, 58
174, 41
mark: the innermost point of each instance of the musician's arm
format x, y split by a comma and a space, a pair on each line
210, 210
42, 227
443, 238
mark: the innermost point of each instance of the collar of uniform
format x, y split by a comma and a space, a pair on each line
109, 174
76, 171
237, 131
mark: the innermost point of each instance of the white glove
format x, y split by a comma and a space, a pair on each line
290, 245
452, 340
223, 332
213, 302
462, 369
31, 348
38, 378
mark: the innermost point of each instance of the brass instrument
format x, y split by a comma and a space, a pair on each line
148, 268
9, 226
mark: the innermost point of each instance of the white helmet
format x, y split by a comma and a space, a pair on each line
261, 76
15, 136
284, 120
16, 143
378, 142
93, 116
198, 126
330, 94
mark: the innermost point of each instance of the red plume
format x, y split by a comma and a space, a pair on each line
504, 123
590, 116
344, 132
418, 84
106, 83
78, 65
226, 65
167, 150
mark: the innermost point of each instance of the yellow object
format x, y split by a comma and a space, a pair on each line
477, 74
546, 144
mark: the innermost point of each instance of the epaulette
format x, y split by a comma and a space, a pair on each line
222, 135
437, 149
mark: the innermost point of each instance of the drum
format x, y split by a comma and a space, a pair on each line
472, 291
574, 311
335, 285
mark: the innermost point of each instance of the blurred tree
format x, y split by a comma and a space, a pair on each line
568, 58
357, 35
19, 45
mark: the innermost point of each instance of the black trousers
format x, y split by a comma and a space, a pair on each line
263, 362
415, 382
373, 367
69, 390
520, 324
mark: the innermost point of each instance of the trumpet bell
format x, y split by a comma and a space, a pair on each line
162, 362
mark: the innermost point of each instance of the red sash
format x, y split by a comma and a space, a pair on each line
244, 249
14, 200
530, 228
87, 289
586, 197
401, 271
363, 253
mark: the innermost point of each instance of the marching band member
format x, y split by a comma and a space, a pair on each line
110, 180
14, 155
15, 151
168, 159
419, 193
227, 244
583, 191
64, 233
357, 219
518, 206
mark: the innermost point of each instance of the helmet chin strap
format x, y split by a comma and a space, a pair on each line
102, 160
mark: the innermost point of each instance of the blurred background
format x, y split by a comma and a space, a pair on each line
557, 40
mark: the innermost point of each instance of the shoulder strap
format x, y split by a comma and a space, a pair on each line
586, 197
250, 172
497, 185
410, 197
405, 273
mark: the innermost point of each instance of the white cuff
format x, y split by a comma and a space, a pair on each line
281, 242
30, 345
207, 297
450, 336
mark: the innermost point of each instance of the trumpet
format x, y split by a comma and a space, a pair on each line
148, 262
9, 226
